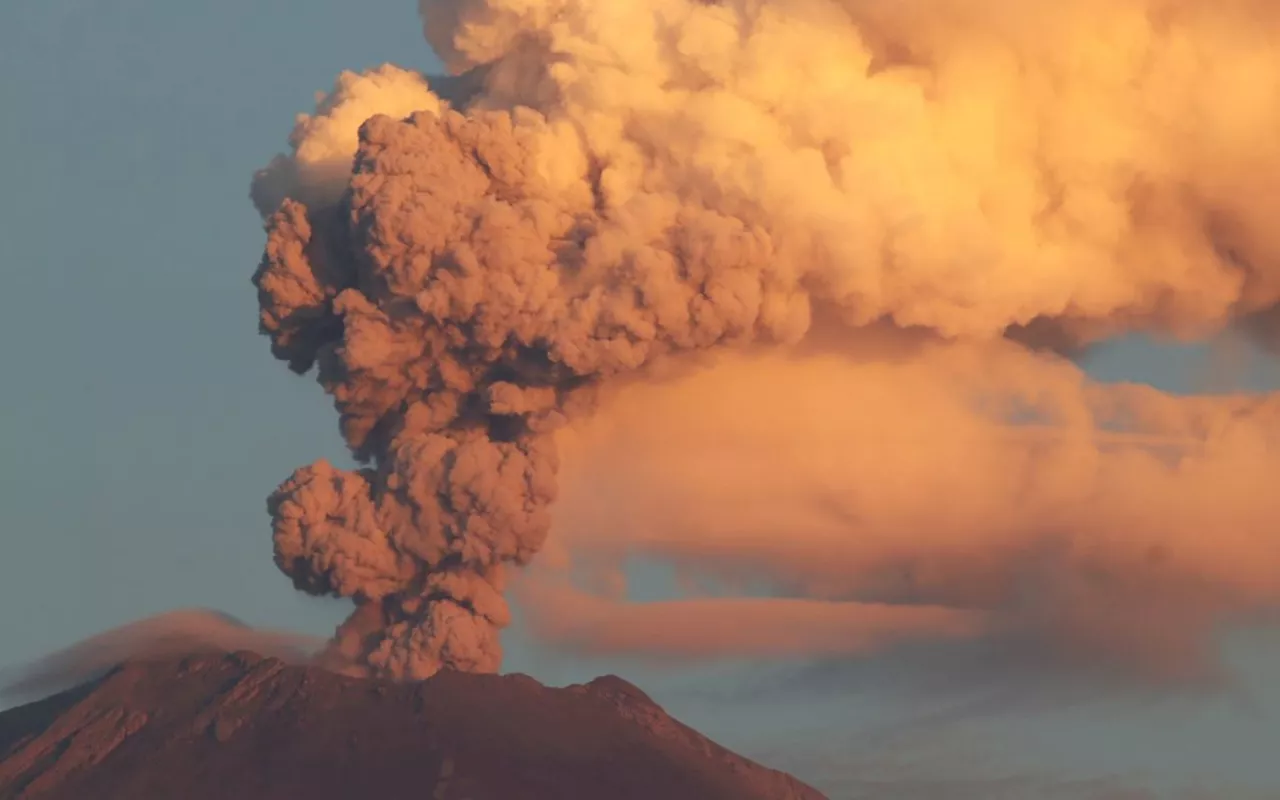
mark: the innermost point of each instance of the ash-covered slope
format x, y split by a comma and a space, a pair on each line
242, 726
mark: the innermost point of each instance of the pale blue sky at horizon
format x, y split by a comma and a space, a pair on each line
144, 420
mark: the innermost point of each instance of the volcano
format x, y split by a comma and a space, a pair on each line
238, 725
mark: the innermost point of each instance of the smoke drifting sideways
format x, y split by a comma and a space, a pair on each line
175, 633
964, 494
606, 201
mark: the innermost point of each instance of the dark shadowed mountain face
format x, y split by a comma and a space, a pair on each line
242, 726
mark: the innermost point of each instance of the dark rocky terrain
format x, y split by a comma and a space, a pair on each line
242, 726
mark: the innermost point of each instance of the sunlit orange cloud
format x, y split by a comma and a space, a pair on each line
602, 189
732, 627
1106, 518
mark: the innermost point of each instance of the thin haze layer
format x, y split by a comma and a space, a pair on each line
608, 190
174, 633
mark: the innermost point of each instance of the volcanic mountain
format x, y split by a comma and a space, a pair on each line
243, 726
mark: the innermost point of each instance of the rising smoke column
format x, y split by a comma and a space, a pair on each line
456, 310
632, 182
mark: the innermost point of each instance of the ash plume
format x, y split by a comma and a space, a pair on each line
605, 192
1066, 521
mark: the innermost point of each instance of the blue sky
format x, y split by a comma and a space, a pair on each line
144, 421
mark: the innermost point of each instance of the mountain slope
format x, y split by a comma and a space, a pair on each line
246, 727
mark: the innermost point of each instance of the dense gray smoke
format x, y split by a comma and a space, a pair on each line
604, 186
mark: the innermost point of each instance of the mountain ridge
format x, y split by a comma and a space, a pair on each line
246, 726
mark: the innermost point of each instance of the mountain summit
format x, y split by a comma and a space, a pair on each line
252, 728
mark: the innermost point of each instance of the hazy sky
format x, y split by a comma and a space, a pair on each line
144, 421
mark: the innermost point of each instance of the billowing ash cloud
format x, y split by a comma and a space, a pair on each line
609, 189
317, 171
